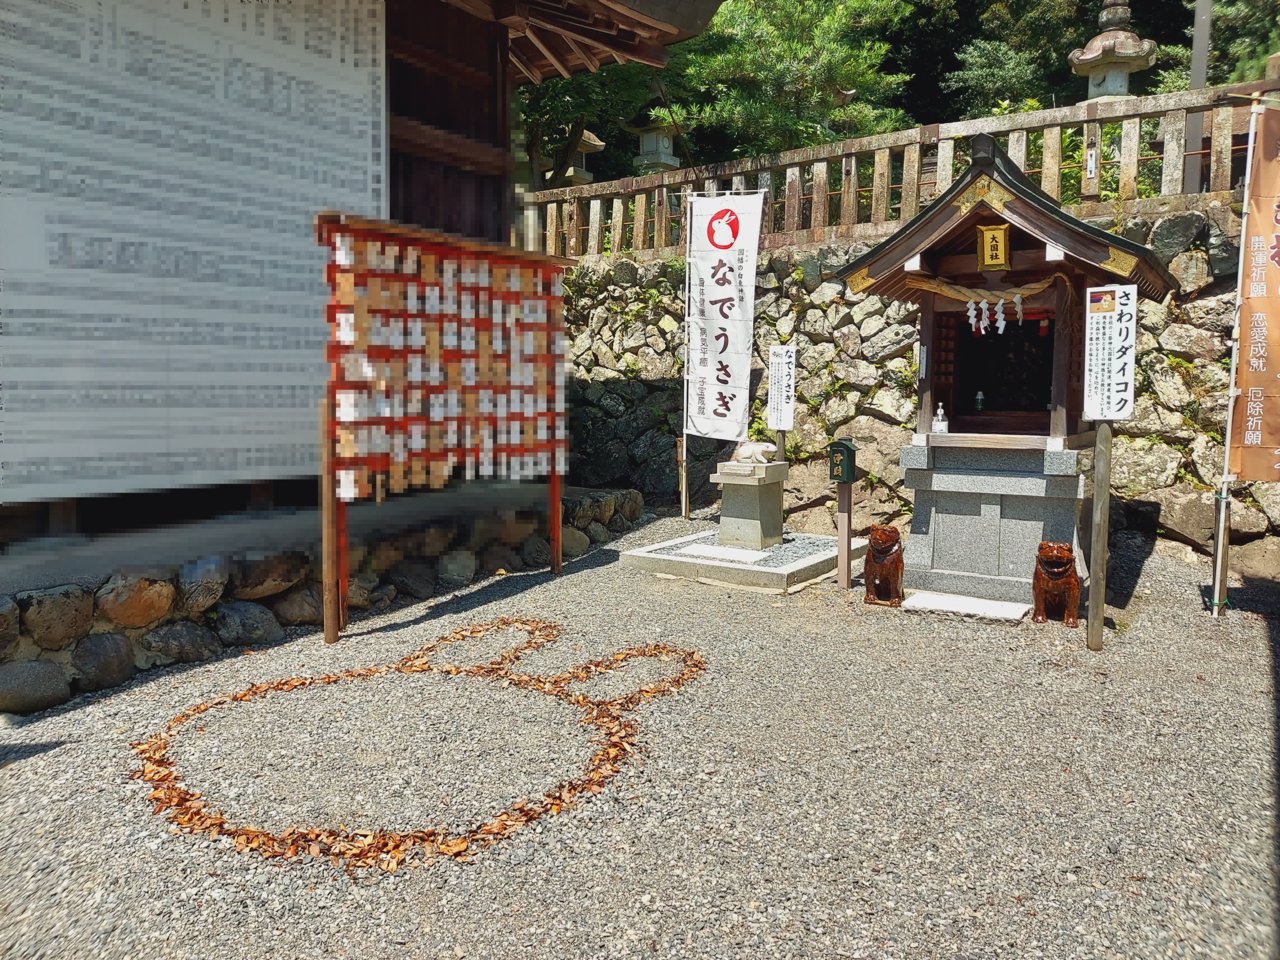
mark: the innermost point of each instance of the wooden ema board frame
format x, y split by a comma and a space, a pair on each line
445, 362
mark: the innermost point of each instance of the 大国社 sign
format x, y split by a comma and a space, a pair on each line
724, 234
1255, 423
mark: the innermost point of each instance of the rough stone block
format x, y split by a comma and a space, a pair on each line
303, 603
895, 341
498, 556
102, 660
573, 542
1174, 233
32, 685
359, 586
10, 621
1186, 342
536, 553
181, 642
456, 570
1259, 560
263, 575
417, 580
200, 584
57, 616
239, 622
130, 600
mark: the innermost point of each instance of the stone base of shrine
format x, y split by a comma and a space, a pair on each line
981, 514
787, 567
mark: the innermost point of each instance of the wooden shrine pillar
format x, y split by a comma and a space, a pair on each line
1063, 325
924, 384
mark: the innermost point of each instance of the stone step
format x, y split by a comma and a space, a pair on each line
922, 601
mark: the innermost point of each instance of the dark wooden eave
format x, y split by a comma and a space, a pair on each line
993, 189
552, 38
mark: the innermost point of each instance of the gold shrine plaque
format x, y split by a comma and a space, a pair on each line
993, 248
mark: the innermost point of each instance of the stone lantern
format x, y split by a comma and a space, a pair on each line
1109, 58
657, 148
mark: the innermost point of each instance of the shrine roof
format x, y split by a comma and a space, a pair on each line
994, 190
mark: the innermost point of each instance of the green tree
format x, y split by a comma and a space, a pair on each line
556, 112
771, 75
993, 72
1245, 33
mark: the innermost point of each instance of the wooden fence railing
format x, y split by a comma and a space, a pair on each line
860, 189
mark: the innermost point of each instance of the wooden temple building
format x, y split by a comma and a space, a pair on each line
999, 272
195, 223
451, 67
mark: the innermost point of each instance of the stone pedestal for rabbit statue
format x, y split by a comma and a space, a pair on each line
751, 497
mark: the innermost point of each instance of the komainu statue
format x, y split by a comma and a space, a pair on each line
882, 573
1056, 585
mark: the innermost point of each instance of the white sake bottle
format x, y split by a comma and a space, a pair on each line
939, 421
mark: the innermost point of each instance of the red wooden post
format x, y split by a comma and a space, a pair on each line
844, 506
344, 555
330, 550
553, 517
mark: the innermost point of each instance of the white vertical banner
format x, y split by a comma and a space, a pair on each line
1110, 352
724, 237
782, 388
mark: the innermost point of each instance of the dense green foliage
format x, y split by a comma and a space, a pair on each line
770, 75
778, 74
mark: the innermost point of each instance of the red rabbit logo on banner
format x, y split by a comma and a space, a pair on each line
722, 231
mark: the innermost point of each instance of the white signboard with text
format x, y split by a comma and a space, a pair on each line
724, 235
782, 388
162, 290
1110, 360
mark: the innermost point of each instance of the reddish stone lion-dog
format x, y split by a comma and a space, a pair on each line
1056, 585
883, 571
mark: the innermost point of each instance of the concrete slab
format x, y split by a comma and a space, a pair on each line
801, 559
925, 602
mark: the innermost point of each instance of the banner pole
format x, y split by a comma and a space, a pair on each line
682, 451
1222, 516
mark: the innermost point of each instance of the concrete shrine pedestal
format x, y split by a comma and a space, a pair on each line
750, 503
981, 513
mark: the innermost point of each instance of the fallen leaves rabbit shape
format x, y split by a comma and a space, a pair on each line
387, 850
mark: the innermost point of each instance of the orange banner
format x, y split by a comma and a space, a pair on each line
1255, 424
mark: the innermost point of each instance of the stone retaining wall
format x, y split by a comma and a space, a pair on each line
856, 367
68, 639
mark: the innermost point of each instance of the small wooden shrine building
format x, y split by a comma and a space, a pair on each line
999, 272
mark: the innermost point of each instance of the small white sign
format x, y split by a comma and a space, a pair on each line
1110, 360
782, 388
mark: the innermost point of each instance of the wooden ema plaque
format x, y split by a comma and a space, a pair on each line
446, 362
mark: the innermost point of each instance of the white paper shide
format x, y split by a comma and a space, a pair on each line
723, 240
1110, 361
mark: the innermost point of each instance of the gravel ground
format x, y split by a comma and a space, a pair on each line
842, 781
